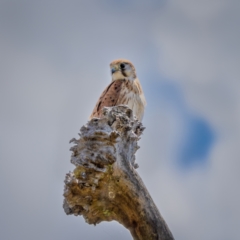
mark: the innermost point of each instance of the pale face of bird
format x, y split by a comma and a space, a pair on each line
121, 69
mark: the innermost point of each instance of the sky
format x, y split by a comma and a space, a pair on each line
54, 64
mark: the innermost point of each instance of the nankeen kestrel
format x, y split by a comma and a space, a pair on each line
125, 89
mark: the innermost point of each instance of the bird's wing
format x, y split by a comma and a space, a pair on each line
108, 98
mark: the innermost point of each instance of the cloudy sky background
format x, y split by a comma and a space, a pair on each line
54, 63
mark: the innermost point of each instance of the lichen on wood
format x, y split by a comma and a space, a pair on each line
104, 185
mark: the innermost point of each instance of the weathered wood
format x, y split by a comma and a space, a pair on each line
105, 186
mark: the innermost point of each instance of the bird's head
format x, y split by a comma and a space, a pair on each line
122, 69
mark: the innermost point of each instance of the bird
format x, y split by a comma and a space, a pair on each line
124, 89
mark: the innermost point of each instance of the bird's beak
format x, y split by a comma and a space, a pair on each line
114, 69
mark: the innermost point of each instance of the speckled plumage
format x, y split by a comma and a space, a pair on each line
125, 89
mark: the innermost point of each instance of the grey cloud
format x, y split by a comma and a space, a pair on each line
54, 63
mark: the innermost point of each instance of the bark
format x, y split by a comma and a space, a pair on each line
105, 186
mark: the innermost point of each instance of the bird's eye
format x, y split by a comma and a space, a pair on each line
122, 65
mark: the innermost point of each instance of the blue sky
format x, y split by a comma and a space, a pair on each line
198, 136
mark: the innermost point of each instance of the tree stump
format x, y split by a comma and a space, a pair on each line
105, 186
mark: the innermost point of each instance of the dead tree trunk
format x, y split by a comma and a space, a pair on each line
105, 186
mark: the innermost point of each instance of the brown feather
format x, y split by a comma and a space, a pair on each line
108, 98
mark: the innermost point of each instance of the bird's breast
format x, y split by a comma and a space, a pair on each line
133, 98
